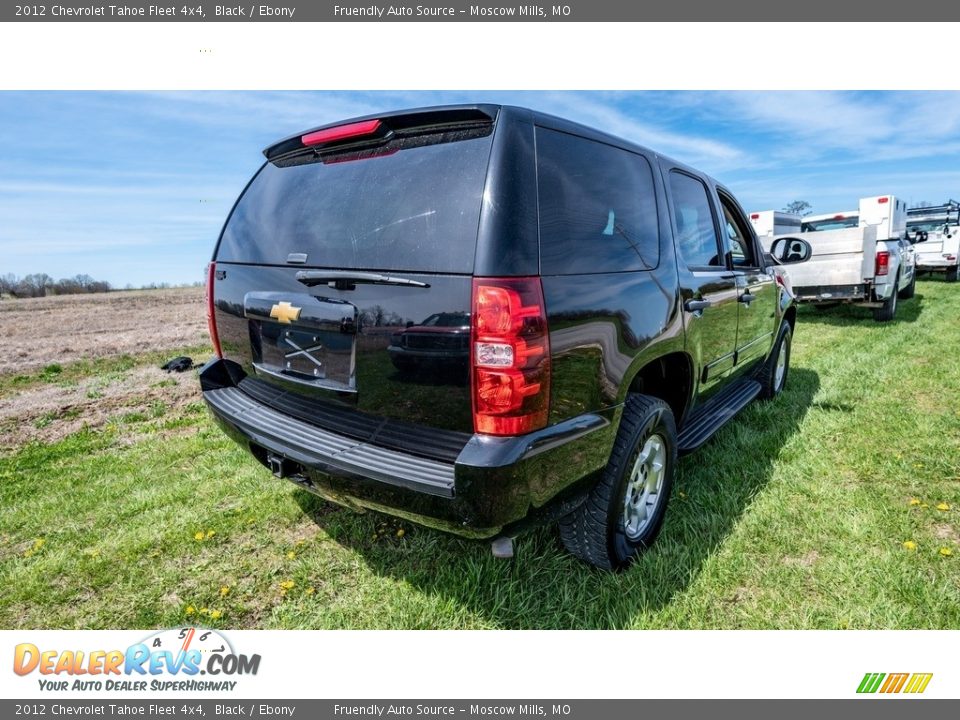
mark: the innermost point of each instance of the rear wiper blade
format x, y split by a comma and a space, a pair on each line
349, 279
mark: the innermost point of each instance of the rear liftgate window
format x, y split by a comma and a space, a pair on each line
413, 204
598, 210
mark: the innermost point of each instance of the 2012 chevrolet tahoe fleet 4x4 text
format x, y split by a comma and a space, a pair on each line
482, 318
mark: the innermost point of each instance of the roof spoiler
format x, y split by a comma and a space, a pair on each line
380, 129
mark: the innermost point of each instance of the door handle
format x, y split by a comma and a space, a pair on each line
747, 298
696, 305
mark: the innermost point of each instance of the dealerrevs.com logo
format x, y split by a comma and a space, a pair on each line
892, 683
168, 660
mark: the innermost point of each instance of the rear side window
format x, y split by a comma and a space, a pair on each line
692, 214
598, 210
410, 206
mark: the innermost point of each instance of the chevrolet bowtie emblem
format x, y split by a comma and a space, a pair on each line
285, 312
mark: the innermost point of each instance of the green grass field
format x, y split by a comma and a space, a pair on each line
836, 506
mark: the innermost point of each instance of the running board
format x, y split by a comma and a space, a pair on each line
714, 414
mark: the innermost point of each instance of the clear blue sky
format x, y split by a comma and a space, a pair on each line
134, 187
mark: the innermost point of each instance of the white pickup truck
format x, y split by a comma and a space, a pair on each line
938, 228
870, 264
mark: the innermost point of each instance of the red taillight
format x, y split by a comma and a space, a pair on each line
211, 318
509, 356
838, 217
341, 132
883, 200
755, 216
883, 263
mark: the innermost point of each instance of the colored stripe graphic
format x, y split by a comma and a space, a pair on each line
870, 682
894, 683
918, 683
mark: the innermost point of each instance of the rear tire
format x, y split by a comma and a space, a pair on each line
773, 375
910, 290
624, 511
952, 274
889, 308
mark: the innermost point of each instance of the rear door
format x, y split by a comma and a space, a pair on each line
757, 299
343, 279
708, 288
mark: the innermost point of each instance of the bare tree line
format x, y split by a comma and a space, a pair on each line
41, 285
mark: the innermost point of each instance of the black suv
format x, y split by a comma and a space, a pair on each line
482, 318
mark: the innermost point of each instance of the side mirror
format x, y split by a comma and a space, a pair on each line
791, 250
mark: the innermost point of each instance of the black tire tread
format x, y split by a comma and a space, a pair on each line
766, 375
910, 290
887, 312
584, 532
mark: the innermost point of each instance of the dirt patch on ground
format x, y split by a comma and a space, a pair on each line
41, 331
808, 559
946, 532
50, 412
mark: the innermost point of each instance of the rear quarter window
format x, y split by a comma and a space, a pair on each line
598, 209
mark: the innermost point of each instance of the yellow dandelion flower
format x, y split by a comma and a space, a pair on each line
210, 534
310, 590
946, 552
287, 584
224, 590
190, 610
909, 544
914, 501
215, 614
291, 555
943, 506
38, 543
198, 536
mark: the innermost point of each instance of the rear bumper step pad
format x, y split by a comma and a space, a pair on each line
322, 450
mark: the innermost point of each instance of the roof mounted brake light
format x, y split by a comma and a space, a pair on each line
883, 200
341, 132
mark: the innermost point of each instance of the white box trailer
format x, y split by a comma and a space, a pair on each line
868, 262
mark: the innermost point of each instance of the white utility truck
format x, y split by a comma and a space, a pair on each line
867, 262
938, 228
